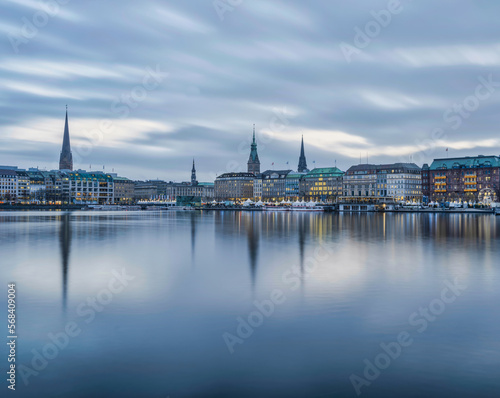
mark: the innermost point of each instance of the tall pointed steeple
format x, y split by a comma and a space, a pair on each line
302, 168
193, 175
253, 160
66, 158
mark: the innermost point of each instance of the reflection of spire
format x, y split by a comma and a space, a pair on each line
302, 239
65, 243
253, 247
193, 234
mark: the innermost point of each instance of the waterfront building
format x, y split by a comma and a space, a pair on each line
293, 186
234, 186
144, 190
161, 187
322, 184
253, 165
302, 167
123, 190
38, 188
426, 187
257, 187
82, 187
53, 186
23, 186
66, 157
471, 179
8, 185
203, 190
401, 182
274, 184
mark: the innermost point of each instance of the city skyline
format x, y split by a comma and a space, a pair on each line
314, 72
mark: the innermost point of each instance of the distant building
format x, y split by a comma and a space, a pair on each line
144, 190
253, 160
302, 167
82, 187
124, 190
426, 187
8, 185
472, 179
66, 158
292, 186
23, 186
399, 181
194, 182
274, 184
257, 187
234, 186
322, 184
201, 191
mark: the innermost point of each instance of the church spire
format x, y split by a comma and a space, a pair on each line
66, 158
253, 160
193, 175
302, 168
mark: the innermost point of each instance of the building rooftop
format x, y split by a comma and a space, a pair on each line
465, 162
5, 172
325, 172
394, 167
276, 173
235, 174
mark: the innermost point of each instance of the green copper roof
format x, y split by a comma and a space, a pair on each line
325, 172
465, 163
89, 176
295, 175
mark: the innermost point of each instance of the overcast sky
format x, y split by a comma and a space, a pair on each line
151, 85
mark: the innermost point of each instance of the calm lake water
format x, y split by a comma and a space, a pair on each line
332, 289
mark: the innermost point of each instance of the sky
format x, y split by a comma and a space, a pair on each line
151, 85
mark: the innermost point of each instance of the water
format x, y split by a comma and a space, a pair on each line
343, 285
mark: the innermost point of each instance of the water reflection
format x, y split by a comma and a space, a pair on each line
253, 229
385, 266
193, 220
65, 245
302, 227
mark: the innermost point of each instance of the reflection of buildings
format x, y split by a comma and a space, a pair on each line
65, 243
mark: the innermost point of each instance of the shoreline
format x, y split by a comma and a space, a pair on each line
328, 210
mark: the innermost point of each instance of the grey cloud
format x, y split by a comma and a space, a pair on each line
223, 76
